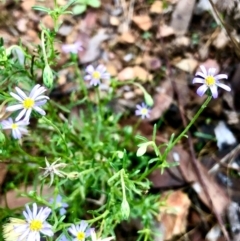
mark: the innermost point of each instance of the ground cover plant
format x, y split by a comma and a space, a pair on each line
83, 172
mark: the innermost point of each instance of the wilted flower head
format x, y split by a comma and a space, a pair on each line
143, 111
59, 204
53, 169
94, 237
210, 81
34, 224
72, 48
29, 103
96, 75
80, 232
18, 127
9, 232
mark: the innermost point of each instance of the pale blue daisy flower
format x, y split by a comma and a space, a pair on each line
35, 224
96, 75
59, 204
80, 232
29, 103
143, 111
210, 81
72, 48
18, 127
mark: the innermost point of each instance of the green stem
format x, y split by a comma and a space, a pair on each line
91, 221
58, 131
204, 105
81, 81
123, 185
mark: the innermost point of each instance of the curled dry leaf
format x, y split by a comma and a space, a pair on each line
144, 22
189, 65
165, 31
173, 216
156, 7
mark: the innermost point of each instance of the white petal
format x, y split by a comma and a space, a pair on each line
211, 71
225, 87
27, 116
21, 114
221, 76
214, 91
83, 226
38, 92
40, 103
34, 213
47, 231
29, 212
201, 74
34, 89
87, 77
39, 110
14, 107
101, 68
21, 93
198, 80
202, 67
15, 96
16, 134
89, 69
201, 90
41, 97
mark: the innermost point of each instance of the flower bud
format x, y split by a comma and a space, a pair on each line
125, 209
148, 99
73, 175
48, 76
142, 149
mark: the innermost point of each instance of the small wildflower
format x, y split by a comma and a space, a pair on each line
72, 48
59, 204
96, 75
34, 225
143, 111
29, 103
94, 237
9, 232
18, 128
80, 232
63, 238
210, 81
53, 169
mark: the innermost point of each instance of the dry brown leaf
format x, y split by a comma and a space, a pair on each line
162, 101
173, 216
126, 74
142, 74
114, 21
27, 5
111, 69
156, 7
165, 31
127, 37
182, 15
189, 65
218, 196
222, 40
144, 22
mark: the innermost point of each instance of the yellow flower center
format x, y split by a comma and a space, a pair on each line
14, 126
36, 225
144, 111
210, 80
28, 103
96, 75
80, 236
